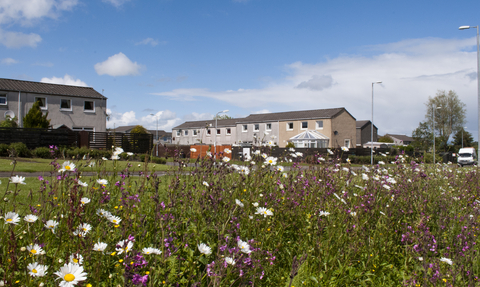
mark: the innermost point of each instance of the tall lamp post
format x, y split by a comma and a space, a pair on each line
433, 131
215, 137
156, 136
371, 127
478, 79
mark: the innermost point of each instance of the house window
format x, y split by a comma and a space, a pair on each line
89, 106
42, 102
195, 132
3, 99
289, 126
304, 125
347, 143
319, 124
244, 128
209, 132
178, 133
218, 131
185, 132
256, 127
229, 131
65, 105
268, 127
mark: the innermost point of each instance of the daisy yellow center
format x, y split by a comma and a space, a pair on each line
84, 229
50, 226
69, 277
33, 251
34, 270
265, 212
67, 167
114, 221
75, 260
9, 219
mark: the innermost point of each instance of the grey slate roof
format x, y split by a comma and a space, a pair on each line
48, 89
204, 123
361, 124
295, 115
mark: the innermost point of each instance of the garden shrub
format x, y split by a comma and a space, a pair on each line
4, 149
42, 152
21, 150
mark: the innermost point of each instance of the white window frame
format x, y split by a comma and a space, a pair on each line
219, 132
256, 127
228, 131
244, 128
195, 132
46, 102
268, 127
288, 128
6, 101
65, 109
345, 143
209, 132
179, 133
89, 111
318, 127
301, 125
185, 132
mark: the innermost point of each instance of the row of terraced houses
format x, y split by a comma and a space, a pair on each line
322, 128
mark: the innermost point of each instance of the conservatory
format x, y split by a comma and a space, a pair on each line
310, 139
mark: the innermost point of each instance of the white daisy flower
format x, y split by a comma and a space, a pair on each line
239, 203
225, 159
257, 152
102, 181
103, 213
100, 246
280, 168
129, 153
12, 217
230, 260
84, 200
84, 184
30, 218
151, 250
118, 150
71, 274
329, 151
203, 248
193, 149
255, 204
299, 154
114, 219
17, 179
344, 148
244, 246
35, 249
124, 246
104, 158
271, 160
37, 270
67, 166
264, 211
446, 260
76, 258
227, 151
51, 224
324, 213
82, 230
114, 157
206, 183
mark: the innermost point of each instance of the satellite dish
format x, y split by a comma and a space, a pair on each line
10, 114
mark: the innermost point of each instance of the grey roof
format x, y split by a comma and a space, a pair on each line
161, 133
48, 89
401, 137
295, 115
123, 129
361, 124
204, 123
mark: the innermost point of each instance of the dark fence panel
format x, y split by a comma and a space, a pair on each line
136, 143
34, 138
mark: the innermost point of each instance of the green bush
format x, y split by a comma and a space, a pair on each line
154, 159
42, 152
4, 149
21, 150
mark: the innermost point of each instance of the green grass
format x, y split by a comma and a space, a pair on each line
43, 165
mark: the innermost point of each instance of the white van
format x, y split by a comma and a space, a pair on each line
466, 156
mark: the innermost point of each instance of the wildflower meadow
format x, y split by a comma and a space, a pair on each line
220, 223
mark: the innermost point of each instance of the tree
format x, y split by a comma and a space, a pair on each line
385, 139
9, 122
467, 139
139, 130
223, 117
449, 115
35, 118
422, 136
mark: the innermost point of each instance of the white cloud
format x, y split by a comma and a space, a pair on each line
118, 65
18, 39
264, 111
9, 61
148, 41
166, 120
66, 80
411, 71
116, 3
26, 11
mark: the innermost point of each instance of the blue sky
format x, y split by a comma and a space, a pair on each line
187, 60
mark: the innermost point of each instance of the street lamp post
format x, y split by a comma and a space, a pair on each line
215, 137
478, 79
371, 127
156, 136
433, 131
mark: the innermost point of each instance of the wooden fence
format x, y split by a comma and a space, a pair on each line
34, 138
